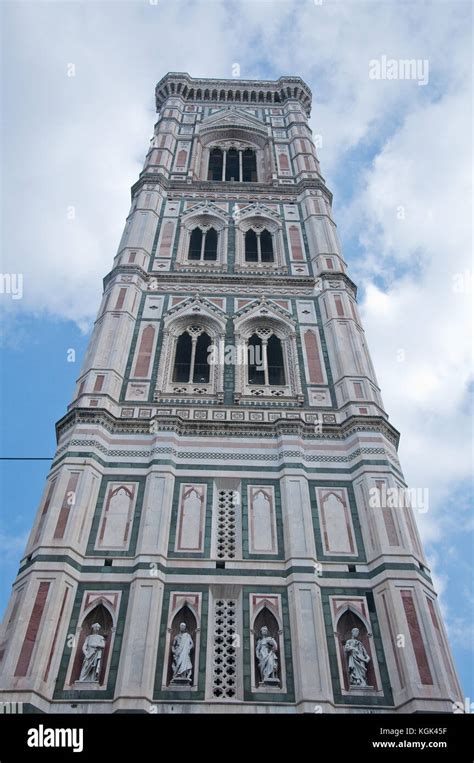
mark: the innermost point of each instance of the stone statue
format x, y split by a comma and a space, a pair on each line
181, 648
266, 652
357, 660
92, 650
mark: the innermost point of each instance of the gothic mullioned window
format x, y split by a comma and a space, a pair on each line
191, 364
202, 238
266, 338
203, 244
193, 343
265, 359
258, 246
239, 165
258, 238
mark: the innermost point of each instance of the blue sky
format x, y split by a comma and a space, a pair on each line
395, 154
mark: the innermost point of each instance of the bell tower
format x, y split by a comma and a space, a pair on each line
225, 525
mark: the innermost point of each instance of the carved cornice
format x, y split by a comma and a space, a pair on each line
227, 191
259, 92
267, 282
176, 425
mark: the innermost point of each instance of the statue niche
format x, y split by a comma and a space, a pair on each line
90, 662
355, 653
267, 650
182, 649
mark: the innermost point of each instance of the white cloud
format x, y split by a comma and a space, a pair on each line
419, 312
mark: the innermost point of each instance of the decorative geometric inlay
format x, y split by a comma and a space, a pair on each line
219, 455
226, 524
224, 657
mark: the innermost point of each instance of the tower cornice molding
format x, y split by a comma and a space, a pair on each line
170, 280
235, 90
208, 428
222, 282
228, 192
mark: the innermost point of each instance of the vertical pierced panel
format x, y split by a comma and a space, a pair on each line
226, 524
224, 650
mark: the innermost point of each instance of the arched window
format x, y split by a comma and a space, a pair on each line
266, 246
232, 164
249, 166
251, 248
195, 244
191, 364
258, 246
276, 368
203, 244
255, 360
265, 359
210, 244
182, 358
215, 164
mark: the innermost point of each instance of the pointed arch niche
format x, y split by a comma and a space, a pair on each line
203, 240
258, 241
346, 615
183, 608
102, 613
186, 616
193, 343
266, 347
265, 611
337, 531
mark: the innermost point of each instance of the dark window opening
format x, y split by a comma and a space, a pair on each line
195, 245
351, 568
210, 245
203, 245
258, 247
215, 165
182, 362
232, 165
249, 166
201, 360
266, 246
255, 360
276, 368
251, 248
